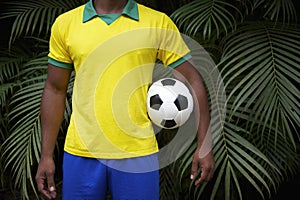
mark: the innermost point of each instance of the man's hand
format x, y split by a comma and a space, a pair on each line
205, 163
45, 178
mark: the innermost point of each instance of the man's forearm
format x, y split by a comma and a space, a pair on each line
204, 139
186, 72
202, 113
52, 112
203, 156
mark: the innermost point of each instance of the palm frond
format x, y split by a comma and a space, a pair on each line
35, 17
236, 160
258, 64
260, 67
212, 17
22, 147
262, 62
9, 68
281, 11
168, 184
249, 5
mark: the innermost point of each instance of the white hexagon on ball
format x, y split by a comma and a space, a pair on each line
169, 103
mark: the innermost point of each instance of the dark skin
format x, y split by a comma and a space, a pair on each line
53, 107
52, 111
203, 157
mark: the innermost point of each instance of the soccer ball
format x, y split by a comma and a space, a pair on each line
169, 103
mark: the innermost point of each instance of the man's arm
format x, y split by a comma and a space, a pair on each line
203, 156
52, 112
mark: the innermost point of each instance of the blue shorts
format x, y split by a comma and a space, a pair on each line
93, 179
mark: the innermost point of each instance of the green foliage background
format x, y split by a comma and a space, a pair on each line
256, 47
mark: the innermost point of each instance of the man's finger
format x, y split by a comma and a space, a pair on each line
202, 178
51, 186
206, 175
194, 170
41, 183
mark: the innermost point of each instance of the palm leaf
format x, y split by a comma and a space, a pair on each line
235, 159
22, 147
246, 69
11, 62
260, 67
249, 5
269, 58
35, 17
210, 16
9, 68
5, 89
281, 10
168, 184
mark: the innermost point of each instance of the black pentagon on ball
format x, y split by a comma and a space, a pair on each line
168, 81
181, 102
168, 123
155, 102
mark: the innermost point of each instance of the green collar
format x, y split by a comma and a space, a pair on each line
130, 10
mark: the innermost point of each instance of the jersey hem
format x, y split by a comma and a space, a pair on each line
110, 155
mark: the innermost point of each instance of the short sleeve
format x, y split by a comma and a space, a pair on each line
58, 52
172, 47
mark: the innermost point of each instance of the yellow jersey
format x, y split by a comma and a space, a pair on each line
113, 57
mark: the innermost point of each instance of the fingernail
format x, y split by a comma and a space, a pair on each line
192, 176
51, 188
